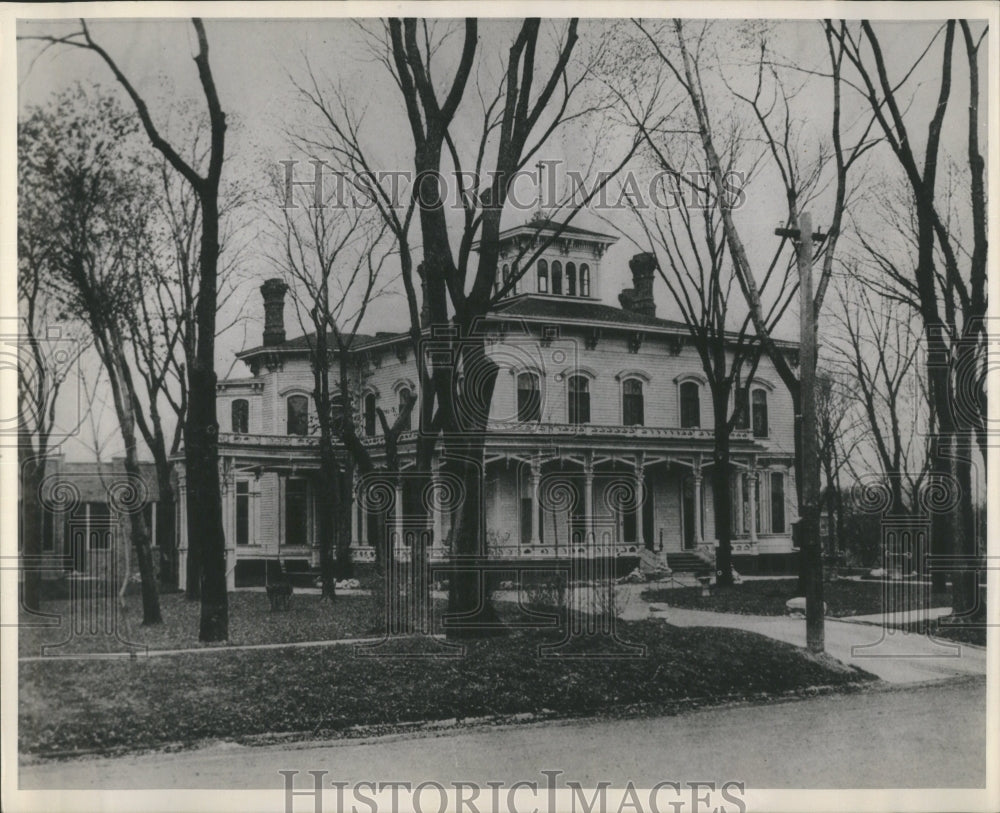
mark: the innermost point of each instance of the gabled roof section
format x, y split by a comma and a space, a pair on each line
566, 310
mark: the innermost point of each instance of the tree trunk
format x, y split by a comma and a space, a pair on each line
201, 441
722, 496
330, 515
165, 534
32, 474
965, 583
126, 500
344, 538
464, 445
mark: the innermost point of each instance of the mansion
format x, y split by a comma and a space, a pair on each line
600, 433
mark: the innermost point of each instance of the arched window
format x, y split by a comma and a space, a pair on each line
759, 401
579, 399
570, 279
543, 277
298, 415
529, 401
557, 278
404, 397
241, 416
690, 405
632, 403
370, 414
584, 280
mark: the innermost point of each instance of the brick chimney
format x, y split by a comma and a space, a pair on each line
639, 298
273, 291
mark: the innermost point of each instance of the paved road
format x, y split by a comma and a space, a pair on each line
907, 737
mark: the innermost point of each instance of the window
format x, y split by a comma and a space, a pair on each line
370, 414
296, 525
514, 276
632, 403
777, 502
298, 415
242, 513
690, 405
579, 400
543, 277
529, 402
759, 399
506, 274
404, 397
630, 528
584, 280
742, 403
557, 278
571, 279
241, 416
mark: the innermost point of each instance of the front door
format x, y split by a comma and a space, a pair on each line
647, 520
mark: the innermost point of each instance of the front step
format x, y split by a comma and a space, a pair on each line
687, 562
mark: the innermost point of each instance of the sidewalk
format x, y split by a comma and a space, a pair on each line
891, 654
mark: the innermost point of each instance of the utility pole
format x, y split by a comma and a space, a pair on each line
809, 546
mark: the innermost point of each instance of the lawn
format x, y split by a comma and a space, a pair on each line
250, 622
330, 692
768, 596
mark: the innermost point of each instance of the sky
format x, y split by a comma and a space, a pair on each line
257, 64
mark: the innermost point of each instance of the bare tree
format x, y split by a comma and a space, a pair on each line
517, 119
76, 163
515, 116
50, 347
333, 259
769, 102
878, 347
949, 280
687, 240
201, 427
837, 439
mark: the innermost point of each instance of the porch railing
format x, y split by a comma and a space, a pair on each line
508, 428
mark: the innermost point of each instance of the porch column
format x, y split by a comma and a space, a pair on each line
182, 532
698, 537
355, 507
438, 511
640, 473
588, 500
536, 476
752, 499
399, 515
229, 527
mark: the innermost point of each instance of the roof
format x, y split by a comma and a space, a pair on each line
560, 307
92, 480
306, 340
